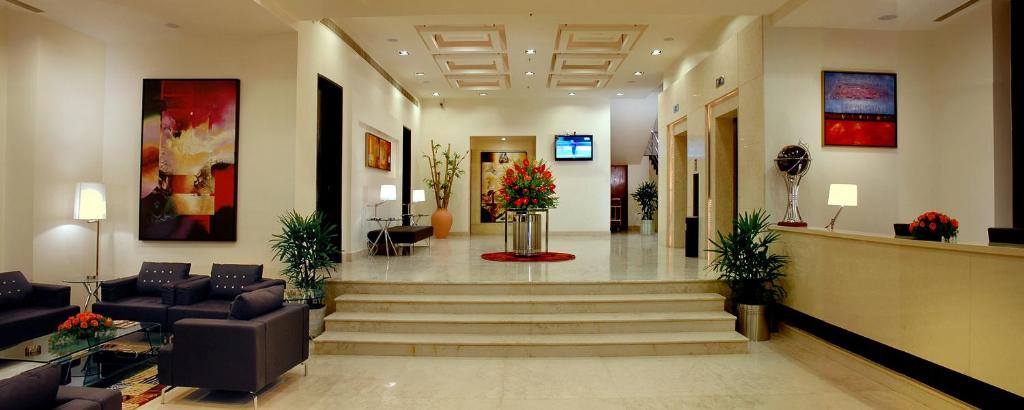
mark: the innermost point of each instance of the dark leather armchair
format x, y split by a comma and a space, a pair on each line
29, 310
144, 297
210, 297
40, 388
260, 341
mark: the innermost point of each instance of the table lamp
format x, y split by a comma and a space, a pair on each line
840, 195
91, 206
387, 193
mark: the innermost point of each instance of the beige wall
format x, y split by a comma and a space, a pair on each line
583, 186
479, 144
954, 305
3, 135
945, 126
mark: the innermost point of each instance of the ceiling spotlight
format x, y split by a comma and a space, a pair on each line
436, 94
572, 94
420, 74
483, 94
888, 17
619, 94
531, 51
529, 73
638, 73
403, 52
655, 52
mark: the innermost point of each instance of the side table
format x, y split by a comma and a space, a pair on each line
92, 288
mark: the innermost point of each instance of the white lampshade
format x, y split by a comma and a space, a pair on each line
388, 193
90, 201
419, 195
842, 195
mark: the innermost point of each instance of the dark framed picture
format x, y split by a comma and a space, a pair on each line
378, 152
189, 160
858, 109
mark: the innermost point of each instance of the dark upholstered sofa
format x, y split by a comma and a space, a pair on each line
29, 310
210, 297
144, 297
40, 388
260, 340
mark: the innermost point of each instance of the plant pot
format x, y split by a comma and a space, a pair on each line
752, 322
646, 227
526, 233
441, 220
316, 321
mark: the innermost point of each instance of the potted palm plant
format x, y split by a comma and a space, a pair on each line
751, 270
306, 247
646, 195
444, 170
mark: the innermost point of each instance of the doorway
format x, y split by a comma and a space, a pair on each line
329, 154
620, 198
406, 176
723, 172
678, 175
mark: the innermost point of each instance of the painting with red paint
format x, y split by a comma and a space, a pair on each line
859, 109
189, 160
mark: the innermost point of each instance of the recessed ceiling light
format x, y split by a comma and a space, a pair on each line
619, 94
420, 74
655, 52
483, 94
638, 73
531, 51
572, 93
529, 73
436, 94
504, 139
403, 52
888, 17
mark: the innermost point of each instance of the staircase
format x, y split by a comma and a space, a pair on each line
529, 319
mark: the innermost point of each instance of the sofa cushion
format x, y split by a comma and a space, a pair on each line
256, 303
14, 289
137, 308
103, 399
79, 404
227, 281
23, 323
207, 309
34, 389
154, 275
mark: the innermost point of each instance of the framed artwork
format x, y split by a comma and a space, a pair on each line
378, 152
189, 160
492, 168
859, 109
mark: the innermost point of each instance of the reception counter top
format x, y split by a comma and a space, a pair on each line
959, 306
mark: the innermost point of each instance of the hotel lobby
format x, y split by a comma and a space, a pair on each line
594, 204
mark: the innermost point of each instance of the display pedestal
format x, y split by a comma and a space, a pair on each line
527, 230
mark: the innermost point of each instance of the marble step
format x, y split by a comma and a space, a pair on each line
520, 345
528, 288
490, 304
552, 323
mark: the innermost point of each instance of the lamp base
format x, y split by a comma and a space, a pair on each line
793, 224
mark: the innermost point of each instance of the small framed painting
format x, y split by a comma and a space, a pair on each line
858, 109
378, 152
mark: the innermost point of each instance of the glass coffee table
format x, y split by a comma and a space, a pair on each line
92, 362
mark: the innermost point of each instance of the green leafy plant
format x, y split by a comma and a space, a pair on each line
746, 263
443, 172
647, 196
306, 247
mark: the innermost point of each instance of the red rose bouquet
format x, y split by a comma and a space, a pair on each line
528, 185
934, 226
85, 325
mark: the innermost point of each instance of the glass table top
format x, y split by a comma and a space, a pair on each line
50, 350
84, 279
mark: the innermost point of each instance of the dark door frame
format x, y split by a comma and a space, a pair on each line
406, 176
329, 158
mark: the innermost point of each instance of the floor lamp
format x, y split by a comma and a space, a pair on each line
91, 206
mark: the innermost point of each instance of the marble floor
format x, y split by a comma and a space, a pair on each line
791, 371
599, 257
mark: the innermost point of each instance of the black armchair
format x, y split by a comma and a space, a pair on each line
211, 297
146, 296
40, 388
262, 340
29, 310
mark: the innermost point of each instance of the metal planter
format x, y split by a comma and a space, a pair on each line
752, 322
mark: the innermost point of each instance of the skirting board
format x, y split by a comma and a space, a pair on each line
968, 389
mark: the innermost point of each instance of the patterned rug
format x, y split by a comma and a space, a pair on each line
138, 389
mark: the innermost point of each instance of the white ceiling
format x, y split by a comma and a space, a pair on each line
315, 9
864, 14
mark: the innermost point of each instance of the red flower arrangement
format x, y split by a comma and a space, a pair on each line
84, 325
934, 226
528, 185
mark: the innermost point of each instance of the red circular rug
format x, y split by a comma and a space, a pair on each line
541, 257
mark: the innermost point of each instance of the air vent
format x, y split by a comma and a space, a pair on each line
954, 12
26, 6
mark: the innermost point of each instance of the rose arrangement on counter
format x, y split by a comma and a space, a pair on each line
934, 226
528, 185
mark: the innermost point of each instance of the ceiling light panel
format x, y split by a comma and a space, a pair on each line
588, 38
578, 82
459, 64
591, 64
441, 39
479, 82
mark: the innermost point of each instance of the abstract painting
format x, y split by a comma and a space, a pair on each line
859, 109
189, 160
378, 152
492, 168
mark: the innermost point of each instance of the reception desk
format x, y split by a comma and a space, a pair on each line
958, 306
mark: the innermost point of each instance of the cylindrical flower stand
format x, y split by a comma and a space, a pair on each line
527, 231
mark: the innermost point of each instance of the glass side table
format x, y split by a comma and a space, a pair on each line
384, 224
92, 288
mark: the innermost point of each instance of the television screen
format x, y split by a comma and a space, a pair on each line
574, 147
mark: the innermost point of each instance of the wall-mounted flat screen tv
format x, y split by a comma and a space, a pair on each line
574, 147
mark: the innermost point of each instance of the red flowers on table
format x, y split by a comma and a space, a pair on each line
84, 325
528, 185
934, 226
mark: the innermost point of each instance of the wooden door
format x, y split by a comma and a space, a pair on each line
620, 199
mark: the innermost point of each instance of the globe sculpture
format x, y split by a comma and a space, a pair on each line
793, 162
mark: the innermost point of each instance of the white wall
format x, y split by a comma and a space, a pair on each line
632, 121
583, 186
945, 123
370, 104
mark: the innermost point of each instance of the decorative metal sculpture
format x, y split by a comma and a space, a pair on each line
793, 162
